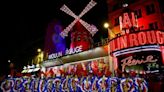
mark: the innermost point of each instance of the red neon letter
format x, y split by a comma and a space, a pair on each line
123, 42
120, 20
126, 21
112, 46
118, 44
134, 20
133, 40
151, 38
142, 38
159, 37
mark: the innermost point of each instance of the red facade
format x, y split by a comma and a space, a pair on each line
80, 36
149, 13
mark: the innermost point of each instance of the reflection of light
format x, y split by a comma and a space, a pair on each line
127, 70
40, 57
125, 5
24, 67
137, 49
37, 65
36, 69
136, 71
30, 70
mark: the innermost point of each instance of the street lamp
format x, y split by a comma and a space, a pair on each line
39, 50
9, 61
106, 25
111, 63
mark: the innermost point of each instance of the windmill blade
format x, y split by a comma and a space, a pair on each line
94, 30
68, 28
89, 6
86, 25
91, 28
65, 9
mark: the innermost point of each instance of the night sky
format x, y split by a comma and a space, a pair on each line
23, 26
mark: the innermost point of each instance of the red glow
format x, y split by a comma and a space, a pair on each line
137, 39
134, 40
142, 38
80, 36
115, 63
160, 40
151, 38
162, 52
127, 21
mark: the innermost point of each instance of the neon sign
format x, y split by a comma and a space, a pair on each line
67, 52
129, 61
137, 39
126, 22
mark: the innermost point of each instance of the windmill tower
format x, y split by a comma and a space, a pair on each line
81, 31
80, 36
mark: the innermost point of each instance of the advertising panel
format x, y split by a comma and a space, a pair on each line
98, 67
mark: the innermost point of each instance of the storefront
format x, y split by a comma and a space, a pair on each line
140, 52
82, 64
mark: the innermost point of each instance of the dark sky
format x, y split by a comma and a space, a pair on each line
23, 25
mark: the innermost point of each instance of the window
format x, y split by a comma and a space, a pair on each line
161, 5
153, 25
130, 1
116, 7
150, 9
116, 21
138, 13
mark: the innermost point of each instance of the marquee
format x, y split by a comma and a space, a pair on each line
139, 38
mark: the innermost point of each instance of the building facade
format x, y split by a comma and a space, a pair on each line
139, 50
149, 13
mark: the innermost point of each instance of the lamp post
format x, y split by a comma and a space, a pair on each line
111, 63
39, 56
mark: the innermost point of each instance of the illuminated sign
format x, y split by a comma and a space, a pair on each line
127, 21
129, 61
147, 62
67, 52
139, 38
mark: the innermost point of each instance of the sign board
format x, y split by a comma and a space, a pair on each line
67, 52
140, 38
141, 62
